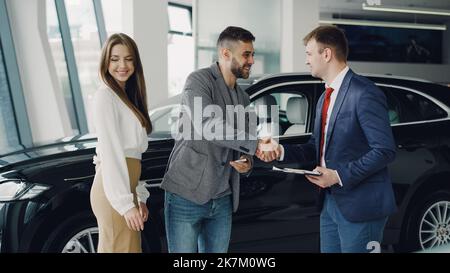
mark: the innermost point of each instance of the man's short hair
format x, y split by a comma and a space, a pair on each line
330, 36
234, 34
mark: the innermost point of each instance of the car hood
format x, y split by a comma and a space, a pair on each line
84, 144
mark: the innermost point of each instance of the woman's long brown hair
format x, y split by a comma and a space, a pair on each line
135, 95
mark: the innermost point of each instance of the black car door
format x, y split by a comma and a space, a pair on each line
411, 115
277, 210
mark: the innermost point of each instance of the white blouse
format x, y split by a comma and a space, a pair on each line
120, 135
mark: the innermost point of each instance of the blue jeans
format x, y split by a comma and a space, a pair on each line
197, 228
339, 235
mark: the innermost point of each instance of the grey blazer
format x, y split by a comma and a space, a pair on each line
196, 167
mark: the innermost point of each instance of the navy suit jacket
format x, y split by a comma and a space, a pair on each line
359, 145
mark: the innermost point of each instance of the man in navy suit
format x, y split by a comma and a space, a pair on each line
352, 143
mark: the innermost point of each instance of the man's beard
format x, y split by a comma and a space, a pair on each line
238, 71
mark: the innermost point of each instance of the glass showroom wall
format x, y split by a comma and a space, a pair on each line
180, 43
180, 47
87, 48
9, 139
52, 49
63, 38
15, 132
60, 64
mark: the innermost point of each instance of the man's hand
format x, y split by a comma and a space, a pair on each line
143, 210
134, 219
268, 149
328, 178
242, 167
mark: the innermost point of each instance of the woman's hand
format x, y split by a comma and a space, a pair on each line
143, 210
134, 219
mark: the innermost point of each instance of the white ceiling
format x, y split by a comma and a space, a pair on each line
353, 9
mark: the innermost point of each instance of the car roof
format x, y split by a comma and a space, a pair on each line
264, 77
436, 90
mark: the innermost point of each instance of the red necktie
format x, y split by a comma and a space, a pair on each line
326, 103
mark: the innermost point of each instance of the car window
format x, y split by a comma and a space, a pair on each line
406, 106
163, 119
282, 111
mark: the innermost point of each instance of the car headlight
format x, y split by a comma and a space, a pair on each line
13, 190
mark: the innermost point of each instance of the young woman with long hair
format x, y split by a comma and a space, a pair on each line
122, 124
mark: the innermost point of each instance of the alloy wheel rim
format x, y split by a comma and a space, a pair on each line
84, 241
435, 225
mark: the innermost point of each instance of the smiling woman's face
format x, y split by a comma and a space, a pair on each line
121, 64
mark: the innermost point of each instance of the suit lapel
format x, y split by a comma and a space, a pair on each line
223, 98
239, 94
337, 105
222, 92
317, 124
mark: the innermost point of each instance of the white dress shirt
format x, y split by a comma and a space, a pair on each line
120, 135
336, 85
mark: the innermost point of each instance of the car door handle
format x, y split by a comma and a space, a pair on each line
411, 146
152, 183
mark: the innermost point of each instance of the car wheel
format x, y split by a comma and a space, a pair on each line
84, 241
429, 224
78, 234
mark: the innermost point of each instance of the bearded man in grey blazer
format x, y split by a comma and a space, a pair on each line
202, 178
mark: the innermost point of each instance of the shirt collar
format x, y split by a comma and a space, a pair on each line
337, 82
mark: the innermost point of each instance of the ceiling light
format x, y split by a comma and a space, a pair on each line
382, 24
407, 10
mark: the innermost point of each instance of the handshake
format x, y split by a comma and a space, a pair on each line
268, 149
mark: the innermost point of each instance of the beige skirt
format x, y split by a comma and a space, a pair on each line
114, 234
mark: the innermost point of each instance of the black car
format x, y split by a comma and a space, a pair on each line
44, 191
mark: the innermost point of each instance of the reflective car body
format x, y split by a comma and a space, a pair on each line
277, 211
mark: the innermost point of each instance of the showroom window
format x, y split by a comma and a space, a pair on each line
59, 59
15, 131
180, 43
87, 49
9, 139
180, 47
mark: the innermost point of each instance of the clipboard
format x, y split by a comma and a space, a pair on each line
297, 171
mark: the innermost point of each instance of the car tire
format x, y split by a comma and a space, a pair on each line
428, 224
79, 233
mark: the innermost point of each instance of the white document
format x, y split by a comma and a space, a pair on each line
297, 171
